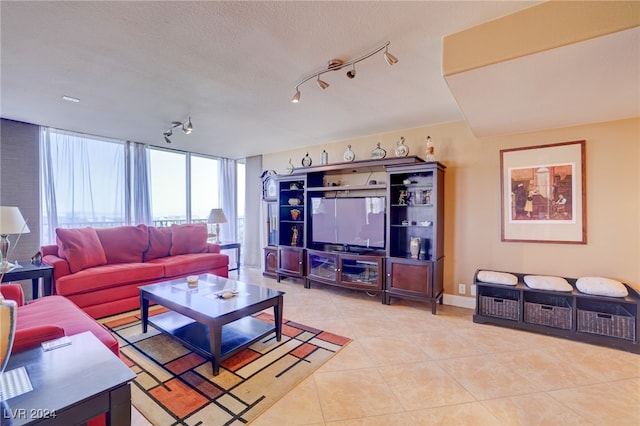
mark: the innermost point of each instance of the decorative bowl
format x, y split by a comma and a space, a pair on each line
294, 202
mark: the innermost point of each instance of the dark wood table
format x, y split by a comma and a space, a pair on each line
32, 271
231, 246
214, 327
71, 385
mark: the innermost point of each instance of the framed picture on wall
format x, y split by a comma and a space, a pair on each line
543, 193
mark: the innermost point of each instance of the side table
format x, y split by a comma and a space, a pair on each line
230, 246
71, 385
32, 271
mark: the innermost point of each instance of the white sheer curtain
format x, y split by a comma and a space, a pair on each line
228, 182
83, 182
141, 184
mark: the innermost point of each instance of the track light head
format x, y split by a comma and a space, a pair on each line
166, 138
296, 97
352, 73
322, 84
188, 127
168, 133
391, 60
175, 124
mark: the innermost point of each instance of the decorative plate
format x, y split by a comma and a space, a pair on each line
349, 155
378, 153
401, 150
269, 185
306, 160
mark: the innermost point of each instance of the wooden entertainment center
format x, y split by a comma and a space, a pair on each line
406, 262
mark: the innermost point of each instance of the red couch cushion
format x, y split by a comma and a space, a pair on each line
81, 247
61, 312
190, 238
191, 263
124, 244
107, 276
159, 243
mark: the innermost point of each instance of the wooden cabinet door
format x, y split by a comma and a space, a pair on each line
270, 261
290, 261
409, 278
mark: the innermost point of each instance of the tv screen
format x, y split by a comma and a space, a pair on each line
352, 221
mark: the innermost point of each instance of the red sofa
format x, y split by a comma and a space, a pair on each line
100, 270
51, 317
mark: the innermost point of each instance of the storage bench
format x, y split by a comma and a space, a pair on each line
601, 320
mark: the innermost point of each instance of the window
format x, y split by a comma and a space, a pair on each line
168, 187
205, 191
82, 181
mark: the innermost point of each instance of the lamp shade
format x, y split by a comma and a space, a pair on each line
12, 222
217, 216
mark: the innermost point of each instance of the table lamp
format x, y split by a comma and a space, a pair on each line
11, 222
217, 216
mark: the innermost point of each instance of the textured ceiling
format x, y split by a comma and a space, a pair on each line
232, 67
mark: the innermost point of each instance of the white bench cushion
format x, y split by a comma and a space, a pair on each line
497, 277
543, 282
600, 286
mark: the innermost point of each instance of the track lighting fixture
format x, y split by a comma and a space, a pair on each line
322, 84
337, 64
187, 127
352, 73
391, 60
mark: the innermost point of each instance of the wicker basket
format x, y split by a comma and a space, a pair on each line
500, 307
620, 324
552, 316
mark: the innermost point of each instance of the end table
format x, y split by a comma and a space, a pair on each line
32, 271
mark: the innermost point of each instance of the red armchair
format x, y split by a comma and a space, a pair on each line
52, 317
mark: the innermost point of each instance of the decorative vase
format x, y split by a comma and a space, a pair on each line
295, 213
430, 152
8, 318
414, 247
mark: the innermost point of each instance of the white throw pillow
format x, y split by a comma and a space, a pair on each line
600, 286
543, 282
497, 277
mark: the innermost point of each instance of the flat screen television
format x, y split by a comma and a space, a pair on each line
348, 221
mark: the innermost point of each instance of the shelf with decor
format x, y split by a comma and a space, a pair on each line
291, 226
415, 233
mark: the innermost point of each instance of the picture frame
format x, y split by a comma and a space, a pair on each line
543, 193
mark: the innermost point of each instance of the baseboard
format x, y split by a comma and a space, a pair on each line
459, 301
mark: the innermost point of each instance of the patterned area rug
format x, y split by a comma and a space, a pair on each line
175, 386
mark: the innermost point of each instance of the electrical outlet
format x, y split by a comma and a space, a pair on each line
462, 288
472, 289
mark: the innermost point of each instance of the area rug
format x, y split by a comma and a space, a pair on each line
175, 386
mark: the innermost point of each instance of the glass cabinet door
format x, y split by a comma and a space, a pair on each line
361, 272
322, 266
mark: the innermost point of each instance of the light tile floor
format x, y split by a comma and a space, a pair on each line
408, 367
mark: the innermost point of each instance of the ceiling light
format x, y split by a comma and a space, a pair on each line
389, 57
188, 128
70, 99
296, 97
352, 73
337, 64
322, 84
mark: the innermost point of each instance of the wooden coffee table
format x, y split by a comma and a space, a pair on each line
214, 327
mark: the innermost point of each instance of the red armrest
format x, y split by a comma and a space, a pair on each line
32, 336
60, 265
13, 292
213, 248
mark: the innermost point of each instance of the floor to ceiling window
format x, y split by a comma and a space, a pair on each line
205, 191
168, 170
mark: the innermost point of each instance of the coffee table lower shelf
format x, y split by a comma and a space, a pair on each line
236, 335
